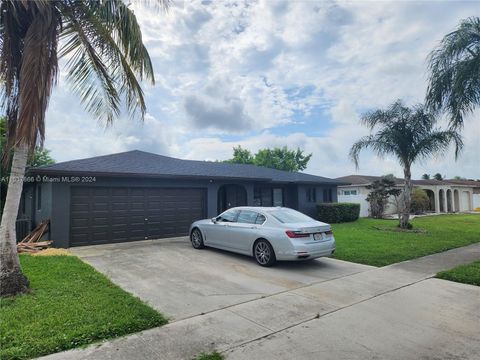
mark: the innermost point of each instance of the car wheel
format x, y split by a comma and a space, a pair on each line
263, 253
197, 239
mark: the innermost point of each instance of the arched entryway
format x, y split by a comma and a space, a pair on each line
441, 198
230, 196
456, 200
449, 201
465, 202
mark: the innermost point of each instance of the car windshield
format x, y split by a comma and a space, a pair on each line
290, 216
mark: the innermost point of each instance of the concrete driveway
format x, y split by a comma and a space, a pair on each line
325, 309
182, 282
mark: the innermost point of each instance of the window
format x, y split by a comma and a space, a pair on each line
311, 194
267, 196
228, 216
290, 216
278, 197
327, 195
349, 192
247, 217
260, 219
39, 197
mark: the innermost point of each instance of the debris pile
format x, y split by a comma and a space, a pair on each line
31, 243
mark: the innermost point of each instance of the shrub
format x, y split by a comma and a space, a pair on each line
338, 212
380, 191
420, 201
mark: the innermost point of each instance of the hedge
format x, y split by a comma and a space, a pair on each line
338, 212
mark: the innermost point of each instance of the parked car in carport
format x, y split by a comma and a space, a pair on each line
266, 233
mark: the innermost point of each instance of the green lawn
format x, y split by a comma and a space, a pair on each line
467, 274
70, 305
362, 242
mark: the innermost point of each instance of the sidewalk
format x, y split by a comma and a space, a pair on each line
390, 312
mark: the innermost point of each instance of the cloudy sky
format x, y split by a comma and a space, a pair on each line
271, 73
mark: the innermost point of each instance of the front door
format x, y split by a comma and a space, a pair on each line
231, 196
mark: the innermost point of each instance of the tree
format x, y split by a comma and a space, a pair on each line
457, 177
106, 59
409, 134
40, 157
380, 192
3, 163
420, 201
454, 82
276, 158
425, 177
438, 176
241, 156
282, 159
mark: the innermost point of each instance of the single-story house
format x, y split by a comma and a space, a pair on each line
445, 195
137, 195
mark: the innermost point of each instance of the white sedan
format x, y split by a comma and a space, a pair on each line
266, 233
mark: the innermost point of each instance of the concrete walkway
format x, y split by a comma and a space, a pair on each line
394, 312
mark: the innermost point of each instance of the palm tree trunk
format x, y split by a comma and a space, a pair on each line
407, 198
12, 280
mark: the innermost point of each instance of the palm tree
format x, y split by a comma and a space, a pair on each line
105, 62
409, 134
454, 84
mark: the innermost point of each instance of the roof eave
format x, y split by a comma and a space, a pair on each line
53, 172
134, 175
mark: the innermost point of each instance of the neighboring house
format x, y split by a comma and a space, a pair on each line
445, 195
137, 195
475, 184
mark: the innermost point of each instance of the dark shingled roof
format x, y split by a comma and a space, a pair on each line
140, 163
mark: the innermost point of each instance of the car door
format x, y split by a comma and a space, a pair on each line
217, 234
244, 231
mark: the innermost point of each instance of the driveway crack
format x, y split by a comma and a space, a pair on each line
270, 295
250, 320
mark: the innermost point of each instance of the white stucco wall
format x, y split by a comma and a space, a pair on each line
467, 199
360, 198
476, 201
357, 199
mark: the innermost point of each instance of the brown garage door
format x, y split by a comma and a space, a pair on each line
100, 215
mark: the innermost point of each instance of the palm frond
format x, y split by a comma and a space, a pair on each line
28, 66
87, 71
115, 55
123, 28
454, 81
12, 30
380, 146
406, 133
37, 75
437, 142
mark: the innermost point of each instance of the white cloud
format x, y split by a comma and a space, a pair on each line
251, 70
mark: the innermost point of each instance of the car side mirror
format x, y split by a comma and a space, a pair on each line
214, 220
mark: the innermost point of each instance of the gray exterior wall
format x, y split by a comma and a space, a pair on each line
56, 198
310, 208
60, 215
31, 209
